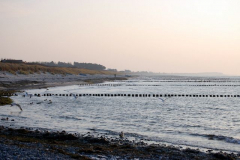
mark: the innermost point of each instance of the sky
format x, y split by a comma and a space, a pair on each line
166, 36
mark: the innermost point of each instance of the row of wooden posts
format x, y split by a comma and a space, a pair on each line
186, 81
139, 95
115, 85
130, 95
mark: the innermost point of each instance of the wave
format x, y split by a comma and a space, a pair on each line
69, 117
219, 138
116, 133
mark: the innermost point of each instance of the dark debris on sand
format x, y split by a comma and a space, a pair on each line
28, 144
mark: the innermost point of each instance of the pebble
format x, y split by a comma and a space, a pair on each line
11, 150
89, 147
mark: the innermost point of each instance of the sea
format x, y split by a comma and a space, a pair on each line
188, 112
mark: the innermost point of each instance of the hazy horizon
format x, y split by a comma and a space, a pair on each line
172, 36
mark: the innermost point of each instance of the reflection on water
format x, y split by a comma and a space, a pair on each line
203, 122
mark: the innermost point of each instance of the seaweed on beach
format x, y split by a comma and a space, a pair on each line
77, 146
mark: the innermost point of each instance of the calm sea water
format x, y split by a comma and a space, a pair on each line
201, 122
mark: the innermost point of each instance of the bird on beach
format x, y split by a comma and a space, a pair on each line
15, 104
4, 119
30, 95
121, 135
50, 102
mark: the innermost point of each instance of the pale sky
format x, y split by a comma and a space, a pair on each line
171, 36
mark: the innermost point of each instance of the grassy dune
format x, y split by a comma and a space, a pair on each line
30, 69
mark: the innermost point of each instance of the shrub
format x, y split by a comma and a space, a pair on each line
5, 101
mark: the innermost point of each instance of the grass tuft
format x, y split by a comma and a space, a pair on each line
23, 72
5, 101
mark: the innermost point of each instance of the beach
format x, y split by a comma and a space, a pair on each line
36, 144
10, 81
29, 143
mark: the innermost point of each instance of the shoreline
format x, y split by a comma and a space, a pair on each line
37, 81
77, 146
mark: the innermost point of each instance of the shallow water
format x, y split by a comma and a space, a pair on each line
202, 122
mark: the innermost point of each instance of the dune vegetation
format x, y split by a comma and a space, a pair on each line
4, 100
22, 68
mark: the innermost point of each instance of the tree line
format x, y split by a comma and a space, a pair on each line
91, 66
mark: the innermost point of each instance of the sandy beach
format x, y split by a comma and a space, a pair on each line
10, 81
26, 143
